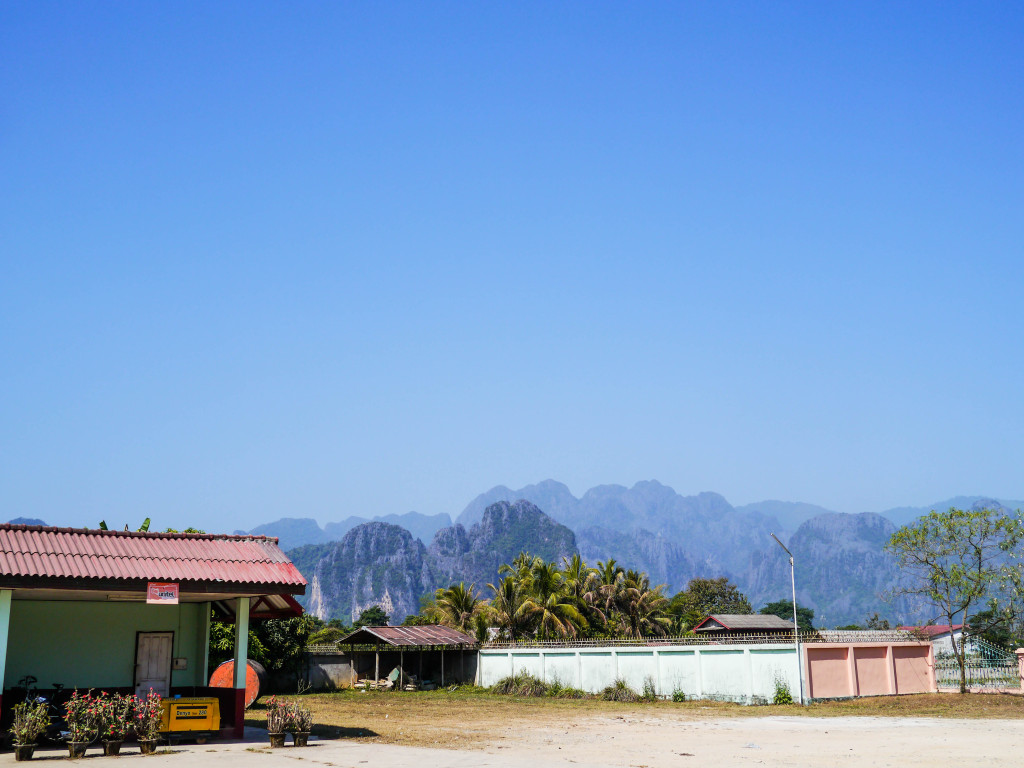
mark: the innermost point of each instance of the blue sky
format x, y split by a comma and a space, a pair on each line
264, 260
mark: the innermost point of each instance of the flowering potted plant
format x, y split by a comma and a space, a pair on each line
148, 713
82, 715
115, 719
276, 721
300, 723
30, 719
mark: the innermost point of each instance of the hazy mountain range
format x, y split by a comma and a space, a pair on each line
842, 570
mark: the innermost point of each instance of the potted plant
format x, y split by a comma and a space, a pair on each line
81, 713
148, 714
115, 720
301, 724
276, 721
30, 719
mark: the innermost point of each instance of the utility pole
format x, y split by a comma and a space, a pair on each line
796, 626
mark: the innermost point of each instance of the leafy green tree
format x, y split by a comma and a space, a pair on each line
373, 616
960, 560
327, 636
703, 597
875, 622
993, 629
277, 644
784, 610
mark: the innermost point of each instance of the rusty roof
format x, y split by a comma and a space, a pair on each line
84, 553
431, 634
739, 622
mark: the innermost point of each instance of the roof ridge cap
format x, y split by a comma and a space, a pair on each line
136, 534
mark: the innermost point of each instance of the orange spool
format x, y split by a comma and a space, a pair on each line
224, 677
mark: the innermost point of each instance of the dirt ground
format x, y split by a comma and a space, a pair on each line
485, 730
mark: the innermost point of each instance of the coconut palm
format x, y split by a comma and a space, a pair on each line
549, 603
458, 606
640, 610
508, 609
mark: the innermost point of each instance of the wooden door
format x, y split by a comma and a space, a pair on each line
153, 663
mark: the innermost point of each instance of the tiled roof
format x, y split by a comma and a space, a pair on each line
738, 622
432, 634
82, 553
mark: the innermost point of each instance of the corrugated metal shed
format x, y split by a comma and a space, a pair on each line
430, 635
738, 622
82, 553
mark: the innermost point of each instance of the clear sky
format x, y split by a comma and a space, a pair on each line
314, 260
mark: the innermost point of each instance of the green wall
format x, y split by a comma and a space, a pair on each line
84, 644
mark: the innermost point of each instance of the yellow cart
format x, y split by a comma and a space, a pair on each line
198, 718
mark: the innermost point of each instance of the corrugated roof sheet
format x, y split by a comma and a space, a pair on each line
82, 553
739, 622
431, 634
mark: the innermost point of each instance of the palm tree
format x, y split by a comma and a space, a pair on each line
507, 609
549, 603
583, 584
641, 611
458, 606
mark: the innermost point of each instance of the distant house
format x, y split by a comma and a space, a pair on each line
739, 623
940, 635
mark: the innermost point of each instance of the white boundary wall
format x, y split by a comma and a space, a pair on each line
745, 673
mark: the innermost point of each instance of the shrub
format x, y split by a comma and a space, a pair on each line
619, 691
277, 715
521, 684
115, 711
30, 719
558, 691
782, 694
650, 690
148, 712
82, 716
678, 696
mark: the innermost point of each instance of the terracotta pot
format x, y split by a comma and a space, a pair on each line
24, 751
301, 737
276, 739
77, 749
148, 746
112, 747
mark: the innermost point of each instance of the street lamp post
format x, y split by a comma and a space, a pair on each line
796, 626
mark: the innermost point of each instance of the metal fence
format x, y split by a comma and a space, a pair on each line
987, 667
815, 636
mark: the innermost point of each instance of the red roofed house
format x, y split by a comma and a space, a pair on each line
940, 634
130, 611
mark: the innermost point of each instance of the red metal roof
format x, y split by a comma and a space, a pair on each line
82, 553
431, 634
933, 630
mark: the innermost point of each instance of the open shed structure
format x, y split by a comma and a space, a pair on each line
738, 623
432, 652
129, 611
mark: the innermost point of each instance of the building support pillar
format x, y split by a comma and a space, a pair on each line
241, 663
5, 627
204, 638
